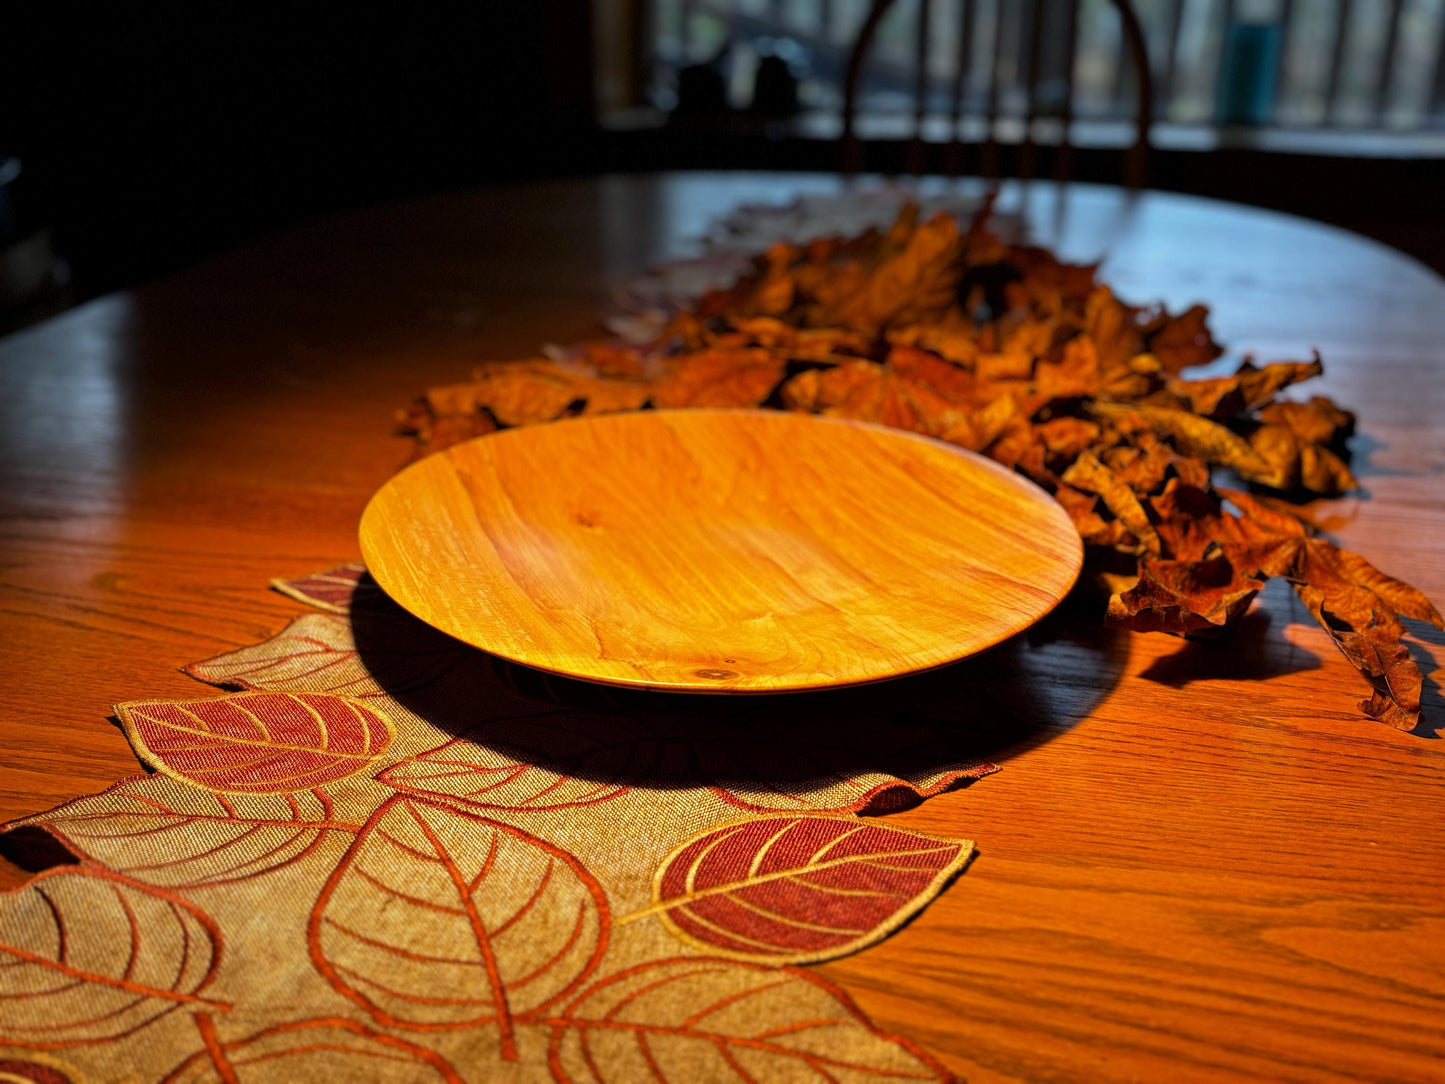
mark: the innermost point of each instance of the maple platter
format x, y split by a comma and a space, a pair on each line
719, 551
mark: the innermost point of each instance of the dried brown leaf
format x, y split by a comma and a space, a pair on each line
720, 378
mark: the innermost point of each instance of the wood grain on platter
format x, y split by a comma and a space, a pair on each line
720, 551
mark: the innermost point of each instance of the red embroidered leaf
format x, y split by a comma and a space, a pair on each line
88, 956
559, 760
15, 1068
337, 590
441, 919
257, 743
324, 1049
164, 833
683, 1020
317, 653
799, 889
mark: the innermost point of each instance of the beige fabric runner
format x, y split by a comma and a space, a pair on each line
392, 858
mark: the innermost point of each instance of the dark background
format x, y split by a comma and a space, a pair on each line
153, 134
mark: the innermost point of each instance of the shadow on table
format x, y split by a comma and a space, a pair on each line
1252, 651
919, 729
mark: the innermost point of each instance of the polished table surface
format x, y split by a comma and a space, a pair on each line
1200, 862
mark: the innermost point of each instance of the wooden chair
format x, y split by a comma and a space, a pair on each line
1135, 158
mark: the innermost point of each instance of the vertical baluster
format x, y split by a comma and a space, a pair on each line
1286, 24
1064, 159
1173, 23
1136, 161
1380, 98
1337, 58
852, 76
988, 157
920, 86
1435, 106
1035, 25
1226, 25
1119, 88
953, 157
824, 26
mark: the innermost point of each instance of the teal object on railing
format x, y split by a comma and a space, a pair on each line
1247, 72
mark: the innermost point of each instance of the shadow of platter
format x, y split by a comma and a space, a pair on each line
986, 708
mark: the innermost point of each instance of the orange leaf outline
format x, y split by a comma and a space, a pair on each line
57, 823
220, 1052
912, 904
135, 722
766, 1043
501, 1013
124, 982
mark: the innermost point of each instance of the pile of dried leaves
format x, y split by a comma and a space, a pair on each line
1007, 351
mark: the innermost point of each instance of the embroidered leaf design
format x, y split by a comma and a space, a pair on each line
682, 1020
26, 1068
317, 653
164, 833
88, 956
557, 760
438, 919
324, 1049
257, 743
799, 889
336, 590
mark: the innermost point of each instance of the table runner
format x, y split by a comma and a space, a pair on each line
387, 856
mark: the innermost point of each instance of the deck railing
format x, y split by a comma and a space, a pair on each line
1368, 66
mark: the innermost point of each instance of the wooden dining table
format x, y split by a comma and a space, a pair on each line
1200, 861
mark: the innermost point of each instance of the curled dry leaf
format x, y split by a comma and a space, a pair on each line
323, 1049
799, 889
164, 833
1091, 476
527, 392
257, 743
719, 378
917, 282
441, 919
1185, 597
1358, 606
1247, 389
90, 956
680, 1020
1204, 439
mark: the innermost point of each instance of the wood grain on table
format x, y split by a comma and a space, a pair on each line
1200, 861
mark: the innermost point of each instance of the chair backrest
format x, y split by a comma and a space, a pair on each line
1032, 15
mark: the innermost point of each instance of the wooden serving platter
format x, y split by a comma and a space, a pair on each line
719, 551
